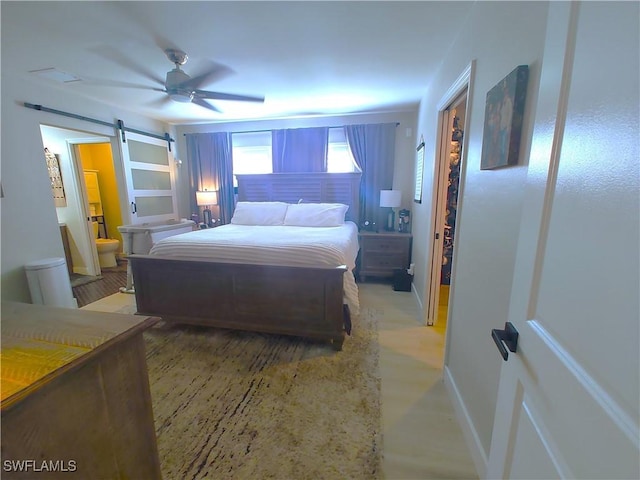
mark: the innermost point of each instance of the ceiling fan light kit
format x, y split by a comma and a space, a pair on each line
180, 97
175, 78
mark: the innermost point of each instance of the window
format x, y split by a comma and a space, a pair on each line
252, 153
339, 158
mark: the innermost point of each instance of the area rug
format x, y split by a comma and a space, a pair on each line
236, 405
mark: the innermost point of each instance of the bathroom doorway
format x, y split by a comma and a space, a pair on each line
78, 150
82, 257
98, 185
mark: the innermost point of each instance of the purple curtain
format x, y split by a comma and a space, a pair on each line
373, 148
300, 149
211, 167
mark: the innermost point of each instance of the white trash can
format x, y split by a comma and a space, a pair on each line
49, 283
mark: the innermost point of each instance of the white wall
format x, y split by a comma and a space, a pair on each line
29, 225
499, 36
404, 155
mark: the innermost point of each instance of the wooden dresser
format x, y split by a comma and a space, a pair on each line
382, 253
75, 395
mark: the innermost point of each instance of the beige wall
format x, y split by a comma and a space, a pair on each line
499, 36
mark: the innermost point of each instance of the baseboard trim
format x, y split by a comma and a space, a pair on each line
478, 454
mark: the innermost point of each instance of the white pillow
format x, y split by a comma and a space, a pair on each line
259, 213
315, 214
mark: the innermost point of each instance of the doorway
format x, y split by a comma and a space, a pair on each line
448, 171
99, 185
76, 151
450, 186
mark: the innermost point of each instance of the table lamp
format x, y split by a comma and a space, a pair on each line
390, 199
206, 198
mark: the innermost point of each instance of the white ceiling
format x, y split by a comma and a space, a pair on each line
305, 58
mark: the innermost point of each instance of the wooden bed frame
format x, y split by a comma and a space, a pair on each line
300, 301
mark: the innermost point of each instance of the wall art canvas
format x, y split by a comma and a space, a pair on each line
503, 120
55, 176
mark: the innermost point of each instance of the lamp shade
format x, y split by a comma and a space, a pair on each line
206, 197
390, 198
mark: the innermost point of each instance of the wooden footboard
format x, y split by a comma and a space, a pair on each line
300, 301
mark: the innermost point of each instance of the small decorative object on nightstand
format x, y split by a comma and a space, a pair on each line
404, 225
381, 254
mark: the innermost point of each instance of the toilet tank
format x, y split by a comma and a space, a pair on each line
138, 239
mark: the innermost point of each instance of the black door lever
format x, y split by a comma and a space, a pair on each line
508, 337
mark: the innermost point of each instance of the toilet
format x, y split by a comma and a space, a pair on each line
107, 248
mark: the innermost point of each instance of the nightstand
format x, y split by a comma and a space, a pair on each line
382, 253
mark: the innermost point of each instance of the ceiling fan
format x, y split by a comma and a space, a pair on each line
182, 88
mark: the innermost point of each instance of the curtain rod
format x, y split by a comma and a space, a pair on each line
265, 130
119, 125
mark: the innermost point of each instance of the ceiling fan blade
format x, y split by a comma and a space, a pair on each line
164, 43
226, 96
202, 103
160, 102
116, 57
102, 82
214, 72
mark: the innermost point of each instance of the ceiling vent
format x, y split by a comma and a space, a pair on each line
56, 75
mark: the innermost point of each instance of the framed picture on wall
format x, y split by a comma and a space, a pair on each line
55, 176
417, 196
503, 114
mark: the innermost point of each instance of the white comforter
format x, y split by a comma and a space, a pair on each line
272, 245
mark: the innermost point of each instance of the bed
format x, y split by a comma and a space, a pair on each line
298, 283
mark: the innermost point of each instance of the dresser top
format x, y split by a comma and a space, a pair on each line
39, 341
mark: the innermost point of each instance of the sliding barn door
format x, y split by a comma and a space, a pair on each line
150, 178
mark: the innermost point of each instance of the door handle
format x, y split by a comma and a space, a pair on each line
134, 207
508, 337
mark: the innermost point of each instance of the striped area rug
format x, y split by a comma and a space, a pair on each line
234, 405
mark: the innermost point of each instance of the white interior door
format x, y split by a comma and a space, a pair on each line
439, 199
150, 177
85, 238
568, 402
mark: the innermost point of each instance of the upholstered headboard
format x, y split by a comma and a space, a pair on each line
308, 187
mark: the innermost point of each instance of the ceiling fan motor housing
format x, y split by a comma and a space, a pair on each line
175, 78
